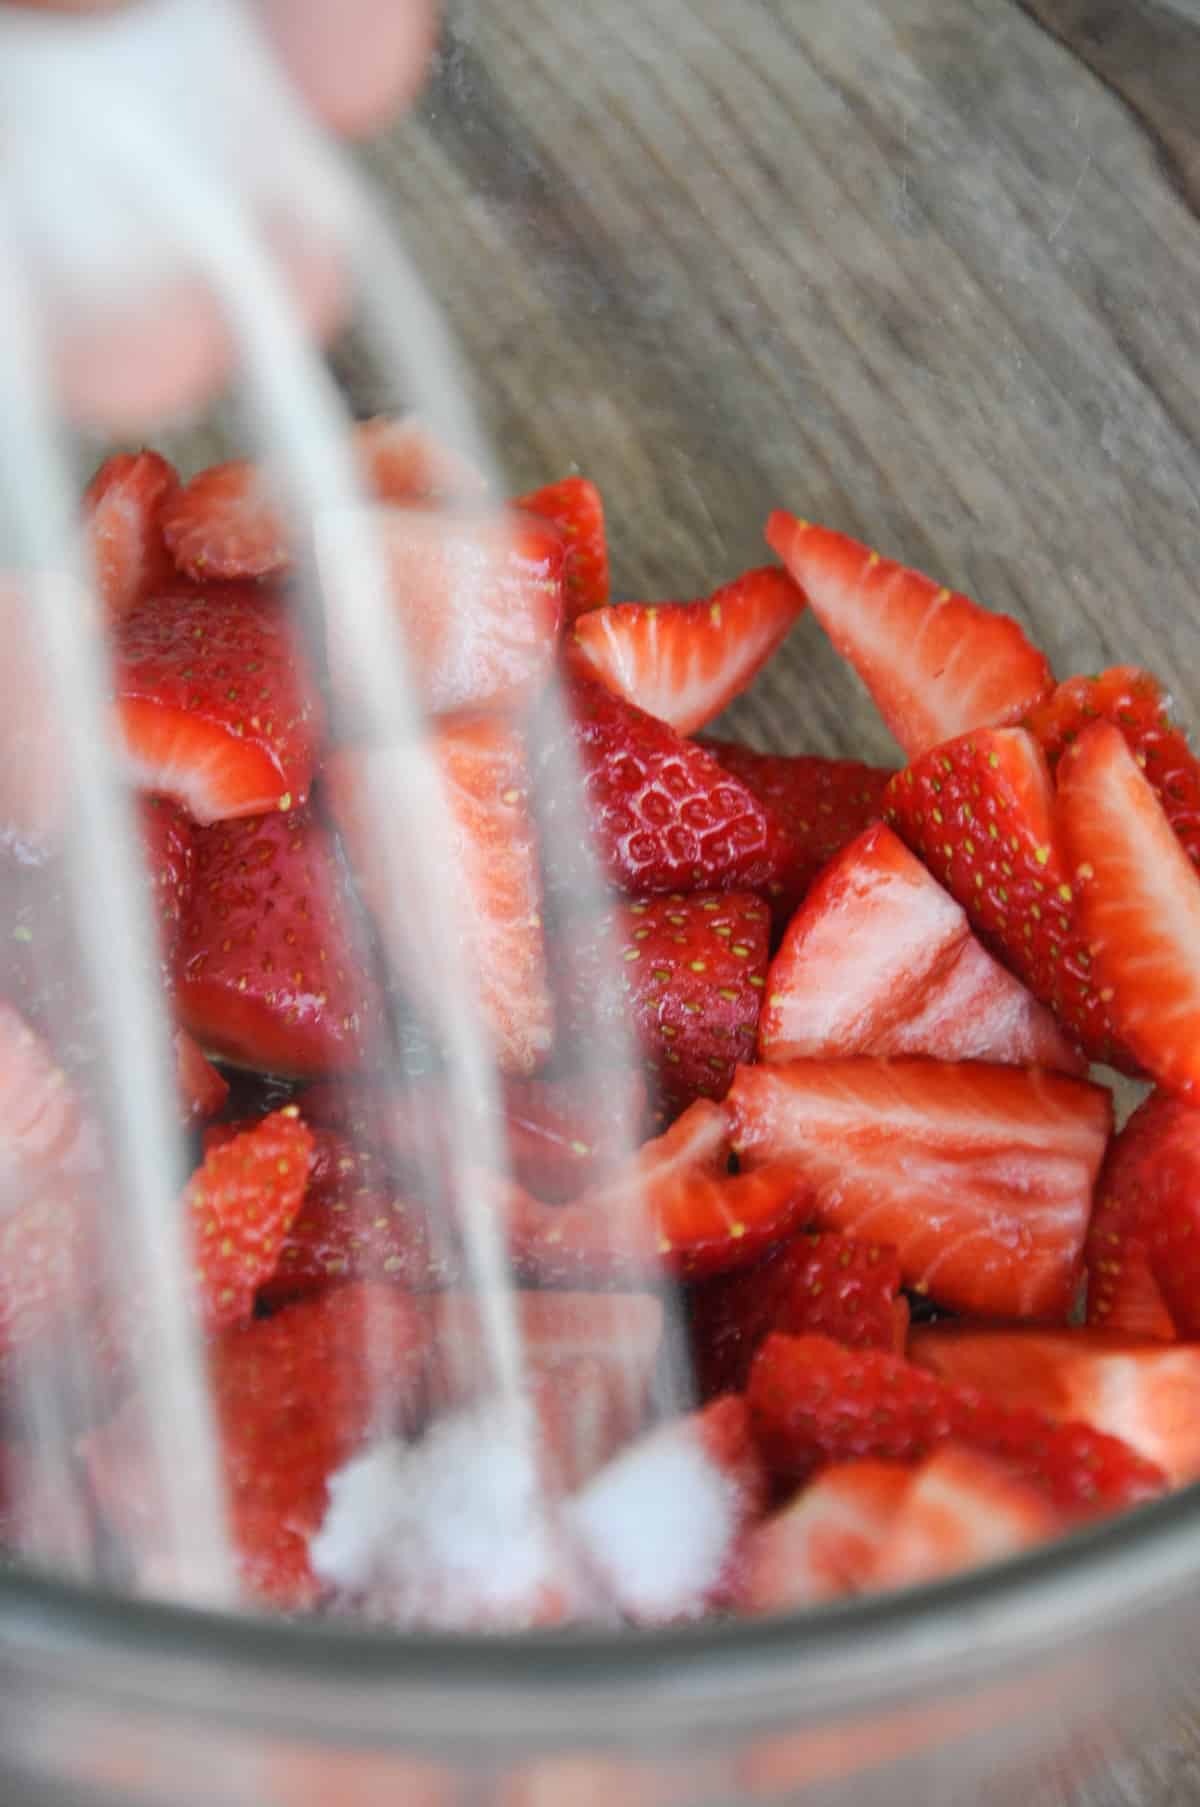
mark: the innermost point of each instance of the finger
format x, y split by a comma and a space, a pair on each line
129, 374
356, 61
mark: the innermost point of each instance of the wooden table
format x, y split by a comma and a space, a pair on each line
928, 270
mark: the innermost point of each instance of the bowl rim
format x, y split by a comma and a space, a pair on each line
853, 1654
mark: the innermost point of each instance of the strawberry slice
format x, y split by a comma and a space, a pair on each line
683, 662
690, 975
214, 703
880, 960
1142, 1261
478, 605
980, 812
272, 970
828, 1283
1144, 1393
123, 508
936, 663
812, 1401
1138, 904
981, 1176
353, 1225
228, 523
576, 508
676, 1209
560, 1136
825, 1542
961, 1510
49, 1165
241, 1202
661, 1564
821, 805
1136, 703
492, 858
664, 815
294, 1397
202, 1089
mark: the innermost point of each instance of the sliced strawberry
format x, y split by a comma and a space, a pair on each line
241, 1202
1136, 703
49, 1165
1138, 903
403, 461
202, 1089
829, 1284
880, 960
215, 706
478, 606
1145, 1393
663, 1524
689, 974
675, 1209
123, 507
489, 923
226, 524
961, 1510
683, 662
560, 1134
980, 812
1142, 1258
823, 1543
294, 1396
664, 815
353, 1225
820, 805
981, 1176
812, 1401
272, 969
576, 508
935, 663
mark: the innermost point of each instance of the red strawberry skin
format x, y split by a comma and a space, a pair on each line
272, 970
352, 1225
683, 662
980, 1176
689, 972
1135, 702
674, 1209
294, 1397
215, 706
123, 506
827, 1284
812, 1401
821, 805
1138, 904
935, 663
663, 813
576, 508
240, 1204
1144, 1393
880, 960
980, 812
489, 857
1144, 1240
169, 848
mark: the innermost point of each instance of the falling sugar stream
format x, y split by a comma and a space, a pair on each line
167, 168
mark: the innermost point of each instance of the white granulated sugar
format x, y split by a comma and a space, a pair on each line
657, 1525
449, 1532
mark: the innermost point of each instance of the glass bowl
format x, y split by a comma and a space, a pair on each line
918, 269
